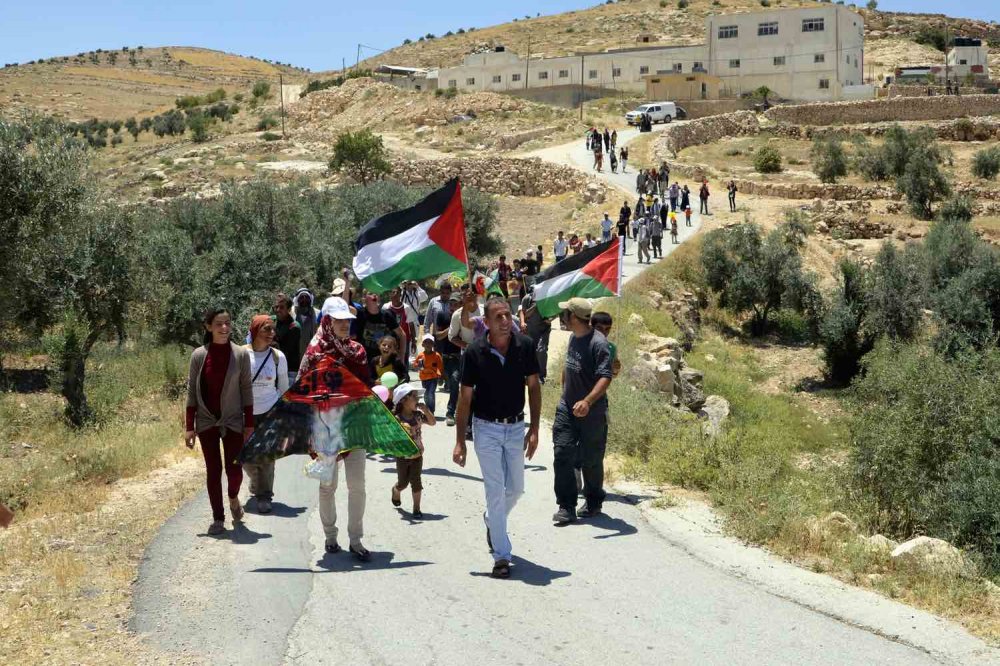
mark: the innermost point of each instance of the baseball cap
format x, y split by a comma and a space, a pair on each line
338, 287
455, 296
581, 307
337, 308
404, 390
427, 338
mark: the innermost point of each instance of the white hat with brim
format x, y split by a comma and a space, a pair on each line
336, 308
404, 390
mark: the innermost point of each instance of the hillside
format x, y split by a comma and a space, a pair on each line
132, 81
889, 34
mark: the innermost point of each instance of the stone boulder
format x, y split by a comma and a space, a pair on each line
635, 321
878, 543
666, 379
644, 374
930, 553
715, 411
692, 397
692, 375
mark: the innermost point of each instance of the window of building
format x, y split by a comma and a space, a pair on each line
515, 77
819, 57
813, 25
698, 65
497, 78
734, 63
543, 75
592, 74
471, 81
963, 62
848, 59
824, 84
678, 67
729, 31
563, 73
779, 61
643, 69
452, 83
769, 28
616, 72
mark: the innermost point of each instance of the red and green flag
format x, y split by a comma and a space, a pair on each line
592, 273
415, 243
327, 411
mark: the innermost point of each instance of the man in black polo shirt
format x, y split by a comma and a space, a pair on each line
495, 369
580, 427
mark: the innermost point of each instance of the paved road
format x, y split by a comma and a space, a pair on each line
613, 589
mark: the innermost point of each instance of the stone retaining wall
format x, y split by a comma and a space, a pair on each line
510, 141
709, 129
961, 129
498, 175
913, 90
886, 110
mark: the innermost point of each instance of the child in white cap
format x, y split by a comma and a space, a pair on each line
413, 414
430, 366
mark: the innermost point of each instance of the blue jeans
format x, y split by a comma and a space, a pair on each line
452, 368
430, 386
500, 449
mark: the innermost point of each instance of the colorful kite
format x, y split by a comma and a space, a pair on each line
326, 412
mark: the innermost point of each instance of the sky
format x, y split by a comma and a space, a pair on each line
307, 33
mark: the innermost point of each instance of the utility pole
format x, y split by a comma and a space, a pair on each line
947, 68
281, 95
357, 59
527, 61
343, 66
582, 94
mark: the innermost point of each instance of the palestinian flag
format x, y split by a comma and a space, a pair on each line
487, 285
425, 240
593, 273
327, 411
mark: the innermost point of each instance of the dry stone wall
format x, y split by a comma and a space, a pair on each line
497, 175
886, 110
709, 129
961, 129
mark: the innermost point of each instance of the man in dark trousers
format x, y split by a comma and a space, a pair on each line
496, 367
623, 222
580, 426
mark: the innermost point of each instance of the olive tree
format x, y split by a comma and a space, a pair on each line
362, 155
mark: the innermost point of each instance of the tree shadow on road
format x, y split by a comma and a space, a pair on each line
528, 572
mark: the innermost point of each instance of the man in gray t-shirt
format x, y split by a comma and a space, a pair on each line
580, 426
538, 328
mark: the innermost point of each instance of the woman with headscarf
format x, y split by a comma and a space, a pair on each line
220, 410
269, 378
333, 339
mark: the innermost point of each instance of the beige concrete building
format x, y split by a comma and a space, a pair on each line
682, 87
814, 53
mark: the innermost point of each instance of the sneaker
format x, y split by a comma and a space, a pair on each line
501, 569
216, 528
263, 506
589, 511
564, 516
450, 421
332, 547
236, 508
579, 480
360, 552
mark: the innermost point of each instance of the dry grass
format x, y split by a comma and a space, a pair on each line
136, 76
223, 62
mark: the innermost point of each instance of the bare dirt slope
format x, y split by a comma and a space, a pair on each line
129, 81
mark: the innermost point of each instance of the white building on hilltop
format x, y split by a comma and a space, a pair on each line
814, 53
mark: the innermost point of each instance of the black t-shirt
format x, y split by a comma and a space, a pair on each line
287, 334
529, 266
499, 386
537, 325
373, 327
587, 359
442, 322
622, 227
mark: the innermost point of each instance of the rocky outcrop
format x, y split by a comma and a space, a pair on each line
846, 219
930, 553
885, 110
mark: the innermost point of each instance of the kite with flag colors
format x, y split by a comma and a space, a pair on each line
327, 411
593, 273
415, 243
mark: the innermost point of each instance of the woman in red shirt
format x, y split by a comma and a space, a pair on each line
220, 408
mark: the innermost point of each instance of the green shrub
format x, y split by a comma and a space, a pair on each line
198, 124
986, 163
362, 155
663, 4
872, 5
682, 4
767, 159
765, 3
872, 162
922, 182
270, 136
261, 90
924, 433
266, 123
828, 159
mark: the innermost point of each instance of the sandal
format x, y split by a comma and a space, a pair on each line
361, 553
396, 501
332, 547
501, 569
418, 514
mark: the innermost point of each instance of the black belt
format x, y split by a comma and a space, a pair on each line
517, 418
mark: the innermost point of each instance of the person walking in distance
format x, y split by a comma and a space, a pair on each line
306, 316
642, 238
333, 340
606, 225
287, 334
623, 222
687, 216
673, 192
607, 140
614, 139
220, 410
731, 189
560, 247
430, 368
495, 370
663, 177
439, 317
656, 233
595, 145
580, 426
640, 182
673, 228
269, 378
685, 198
623, 157
703, 196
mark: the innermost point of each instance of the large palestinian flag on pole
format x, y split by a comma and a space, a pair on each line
593, 273
419, 242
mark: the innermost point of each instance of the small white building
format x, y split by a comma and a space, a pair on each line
967, 57
812, 53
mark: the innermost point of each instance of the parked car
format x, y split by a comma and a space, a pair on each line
659, 112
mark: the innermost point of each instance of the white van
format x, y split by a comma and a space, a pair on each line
659, 112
